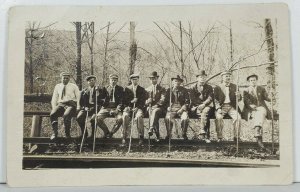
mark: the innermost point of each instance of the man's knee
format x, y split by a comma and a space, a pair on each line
184, 116
219, 116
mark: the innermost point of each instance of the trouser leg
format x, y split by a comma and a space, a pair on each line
126, 121
154, 121
118, 123
101, 116
184, 124
67, 116
259, 116
81, 117
203, 120
219, 124
236, 122
169, 123
140, 122
55, 113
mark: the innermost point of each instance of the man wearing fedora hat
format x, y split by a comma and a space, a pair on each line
88, 104
114, 106
179, 106
255, 106
134, 102
201, 104
155, 101
226, 95
65, 100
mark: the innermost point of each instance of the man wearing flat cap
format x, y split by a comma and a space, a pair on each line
155, 101
226, 96
179, 106
255, 106
114, 106
88, 104
134, 102
65, 100
201, 95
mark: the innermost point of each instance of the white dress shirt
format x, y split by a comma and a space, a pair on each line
72, 93
227, 98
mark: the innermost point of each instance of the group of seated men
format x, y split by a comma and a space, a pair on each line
200, 101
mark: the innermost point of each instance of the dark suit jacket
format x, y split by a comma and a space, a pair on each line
119, 95
204, 97
159, 97
219, 93
258, 100
183, 97
140, 94
102, 96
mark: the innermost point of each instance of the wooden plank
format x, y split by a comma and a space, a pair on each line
149, 161
45, 98
175, 142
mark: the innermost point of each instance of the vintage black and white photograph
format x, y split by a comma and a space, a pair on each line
169, 92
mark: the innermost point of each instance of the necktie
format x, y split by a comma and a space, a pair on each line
200, 88
176, 95
63, 92
113, 94
91, 96
134, 91
154, 90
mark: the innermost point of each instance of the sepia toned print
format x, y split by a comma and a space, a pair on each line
167, 93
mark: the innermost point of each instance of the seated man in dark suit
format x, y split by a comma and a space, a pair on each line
134, 103
88, 104
201, 104
155, 101
113, 107
177, 107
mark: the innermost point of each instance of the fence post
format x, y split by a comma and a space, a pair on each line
36, 127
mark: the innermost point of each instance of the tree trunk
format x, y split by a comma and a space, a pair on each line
132, 49
231, 43
78, 56
105, 63
181, 50
270, 45
31, 64
92, 47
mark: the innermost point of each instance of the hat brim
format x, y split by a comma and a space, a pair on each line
252, 76
177, 79
88, 78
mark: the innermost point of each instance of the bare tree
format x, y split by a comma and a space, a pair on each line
132, 49
78, 55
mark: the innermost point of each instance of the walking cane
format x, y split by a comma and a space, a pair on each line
170, 131
132, 123
85, 128
149, 142
95, 130
237, 110
150, 108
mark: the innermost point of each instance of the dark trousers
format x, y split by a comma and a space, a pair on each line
155, 114
81, 120
66, 112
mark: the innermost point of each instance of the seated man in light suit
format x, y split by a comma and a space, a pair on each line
65, 101
226, 96
254, 98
